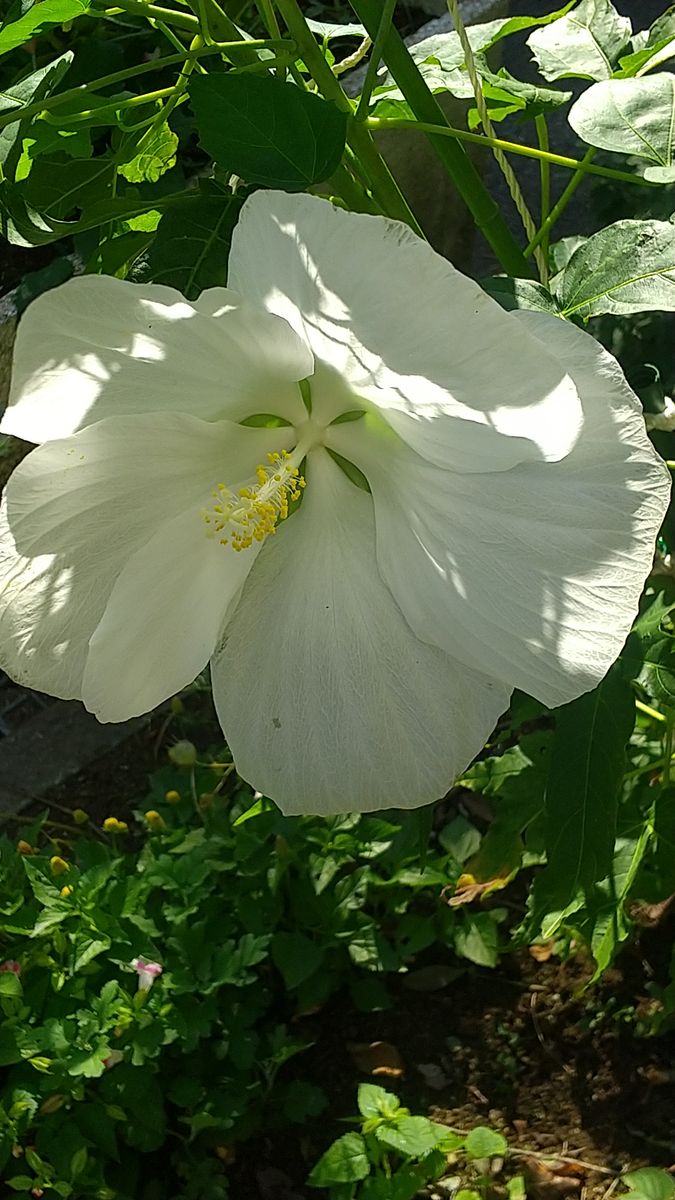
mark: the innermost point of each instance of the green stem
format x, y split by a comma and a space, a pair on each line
649, 712
584, 168
478, 139
39, 106
153, 11
383, 185
545, 182
375, 59
269, 19
452, 155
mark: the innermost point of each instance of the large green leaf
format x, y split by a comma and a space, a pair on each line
586, 42
267, 131
23, 225
627, 267
41, 15
585, 774
631, 116
33, 87
520, 293
192, 244
506, 95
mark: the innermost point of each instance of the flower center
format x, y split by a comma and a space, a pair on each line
249, 516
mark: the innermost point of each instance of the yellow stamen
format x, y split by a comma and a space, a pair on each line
254, 512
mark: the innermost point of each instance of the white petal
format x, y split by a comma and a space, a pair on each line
98, 347
74, 513
163, 619
534, 574
328, 701
393, 323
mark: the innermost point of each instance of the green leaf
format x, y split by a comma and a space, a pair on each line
191, 247
267, 131
520, 293
413, 1136
506, 95
483, 1142
34, 87
460, 838
627, 267
649, 1183
296, 957
79, 1161
329, 31
631, 116
611, 927
586, 42
21, 1183
10, 984
346, 1161
39, 16
585, 775
477, 938
154, 154
375, 1101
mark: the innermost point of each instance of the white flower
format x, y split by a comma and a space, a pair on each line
362, 655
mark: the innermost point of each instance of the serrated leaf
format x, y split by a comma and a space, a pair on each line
414, 1137
585, 774
154, 154
586, 42
346, 1161
483, 1142
375, 1101
191, 247
267, 131
39, 16
631, 116
10, 984
627, 267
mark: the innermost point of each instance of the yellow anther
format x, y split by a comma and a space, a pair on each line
253, 512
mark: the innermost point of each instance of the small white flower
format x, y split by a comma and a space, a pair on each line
148, 972
361, 656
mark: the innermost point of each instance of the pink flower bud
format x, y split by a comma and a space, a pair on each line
148, 972
12, 965
115, 1057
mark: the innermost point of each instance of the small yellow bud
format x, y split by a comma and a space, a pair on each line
177, 707
58, 865
154, 821
80, 817
172, 797
24, 847
112, 825
66, 891
183, 754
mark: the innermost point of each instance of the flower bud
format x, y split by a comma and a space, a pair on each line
58, 865
10, 964
154, 821
112, 825
80, 817
24, 847
172, 797
183, 754
66, 891
148, 972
